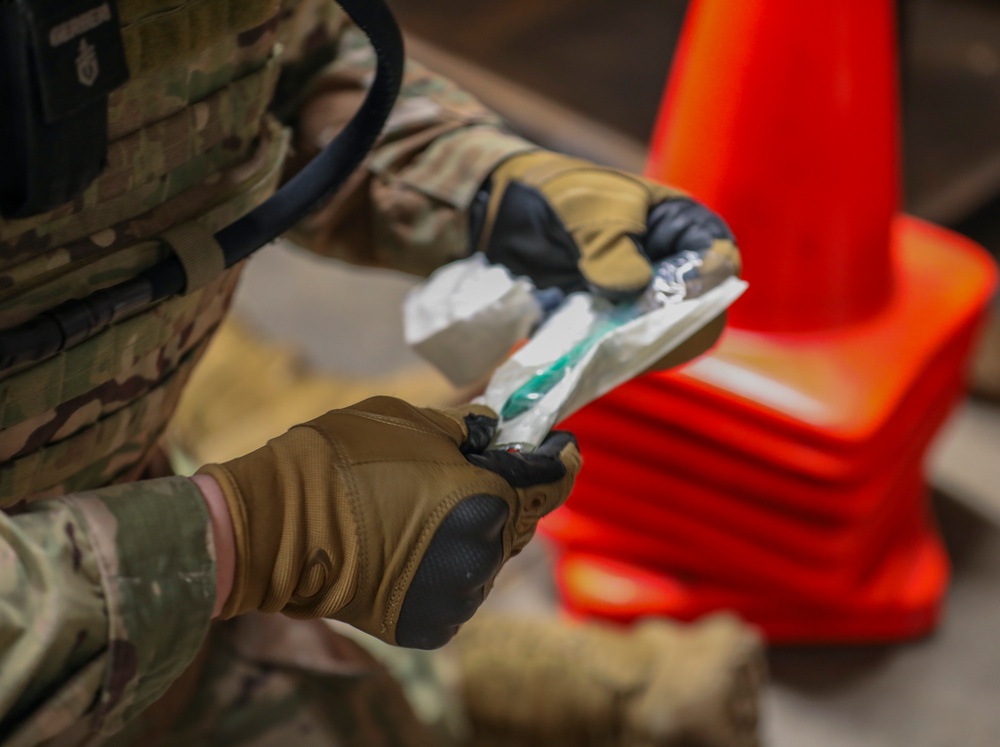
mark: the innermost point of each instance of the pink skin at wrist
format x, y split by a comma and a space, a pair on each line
222, 536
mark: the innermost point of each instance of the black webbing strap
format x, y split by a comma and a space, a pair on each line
79, 319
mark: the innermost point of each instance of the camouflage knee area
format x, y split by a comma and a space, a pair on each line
269, 681
541, 682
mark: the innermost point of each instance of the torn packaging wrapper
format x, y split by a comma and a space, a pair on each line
468, 316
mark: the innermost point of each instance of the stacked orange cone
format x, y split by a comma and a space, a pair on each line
782, 475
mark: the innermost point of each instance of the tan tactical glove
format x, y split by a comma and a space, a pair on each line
575, 225
389, 517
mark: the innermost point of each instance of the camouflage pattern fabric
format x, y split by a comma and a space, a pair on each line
158, 124
203, 152
97, 588
407, 209
250, 689
107, 593
157, 32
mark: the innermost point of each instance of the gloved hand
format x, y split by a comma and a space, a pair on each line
571, 224
389, 517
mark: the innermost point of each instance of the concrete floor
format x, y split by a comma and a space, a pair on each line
939, 692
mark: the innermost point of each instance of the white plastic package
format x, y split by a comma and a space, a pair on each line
586, 349
469, 315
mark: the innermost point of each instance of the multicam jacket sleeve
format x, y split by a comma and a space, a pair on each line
407, 207
105, 599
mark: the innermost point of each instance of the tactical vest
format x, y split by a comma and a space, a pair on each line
190, 140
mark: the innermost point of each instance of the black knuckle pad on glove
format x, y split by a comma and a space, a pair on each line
451, 581
682, 224
467, 550
530, 240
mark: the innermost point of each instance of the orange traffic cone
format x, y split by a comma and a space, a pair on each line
781, 475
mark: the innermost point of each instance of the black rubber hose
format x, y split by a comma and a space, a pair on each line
330, 169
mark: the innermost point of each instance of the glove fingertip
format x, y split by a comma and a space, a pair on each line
480, 429
618, 272
562, 445
556, 442
480, 410
571, 457
728, 251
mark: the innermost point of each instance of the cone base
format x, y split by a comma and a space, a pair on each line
594, 586
781, 476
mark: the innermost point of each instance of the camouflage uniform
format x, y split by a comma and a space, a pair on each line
106, 593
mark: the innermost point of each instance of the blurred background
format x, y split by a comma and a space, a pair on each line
587, 77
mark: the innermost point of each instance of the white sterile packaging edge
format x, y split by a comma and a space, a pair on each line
467, 316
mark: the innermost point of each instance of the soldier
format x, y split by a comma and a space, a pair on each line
390, 518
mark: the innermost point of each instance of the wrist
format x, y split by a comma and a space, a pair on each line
223, 538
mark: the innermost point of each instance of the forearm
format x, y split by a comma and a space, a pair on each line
105, 598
